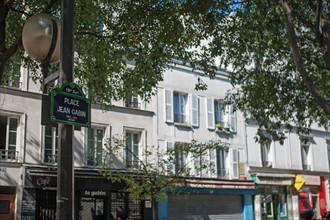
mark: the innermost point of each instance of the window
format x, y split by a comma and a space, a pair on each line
221, 116
132, 149
221, 164
8, 138
265, 154
180, 158
95, 142
179, 107
50, 144
133, 102
305, 153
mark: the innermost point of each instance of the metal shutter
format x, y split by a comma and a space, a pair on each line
200, 207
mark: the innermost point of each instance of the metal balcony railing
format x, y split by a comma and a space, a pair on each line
132, 164
267, 164
9, 155
306, 167
223, 173
51, 158
93, 160
136, 105
179, 118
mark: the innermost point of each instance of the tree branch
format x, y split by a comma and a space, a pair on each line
323, 103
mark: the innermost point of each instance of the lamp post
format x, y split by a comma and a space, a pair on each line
40, 40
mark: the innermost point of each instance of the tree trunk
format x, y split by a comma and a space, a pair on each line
321, 101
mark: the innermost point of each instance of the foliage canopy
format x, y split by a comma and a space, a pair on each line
278, 52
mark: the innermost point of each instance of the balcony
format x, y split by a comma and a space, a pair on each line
222, 173
135, 105
180, 118
306, 167
51, 158
16, 84
9, 155
132, 164
267, 164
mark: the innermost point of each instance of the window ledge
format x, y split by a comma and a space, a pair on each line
223, 131
185, 125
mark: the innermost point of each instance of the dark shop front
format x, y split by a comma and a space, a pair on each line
95, 198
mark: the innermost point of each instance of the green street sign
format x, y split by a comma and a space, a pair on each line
69, 105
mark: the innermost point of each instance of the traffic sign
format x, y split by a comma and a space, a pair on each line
298, 182
69, 105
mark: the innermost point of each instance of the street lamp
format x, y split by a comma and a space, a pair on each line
41, 41
41, 38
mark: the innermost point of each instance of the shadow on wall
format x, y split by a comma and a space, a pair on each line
33, 149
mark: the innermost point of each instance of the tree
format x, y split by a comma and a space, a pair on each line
157, 172
277, 51
108, 35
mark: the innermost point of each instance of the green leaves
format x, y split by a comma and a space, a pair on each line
249, 38
154, 178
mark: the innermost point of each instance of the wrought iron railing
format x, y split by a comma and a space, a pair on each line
51, 158
267, 164
223, 173
136, 105
179, 118
132, 164
9, 155
306, 167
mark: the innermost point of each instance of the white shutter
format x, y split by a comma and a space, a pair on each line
195, 110
197, 167
169, 106
213, 163
235, 162
227, 116
233, 119
210, 113
171, 163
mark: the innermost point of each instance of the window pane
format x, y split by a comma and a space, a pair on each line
12, 133
4, 206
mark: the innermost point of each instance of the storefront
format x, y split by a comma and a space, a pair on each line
273, 199
209, 199
311, 194
96, 198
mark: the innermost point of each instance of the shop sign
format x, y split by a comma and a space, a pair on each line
148, 204
311, 180
273, 181
298, 182
94, 193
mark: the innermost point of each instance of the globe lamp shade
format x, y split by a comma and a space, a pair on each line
37, 38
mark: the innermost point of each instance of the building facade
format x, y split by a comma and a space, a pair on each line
28, 156
247, 180
183, 114
291, 178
